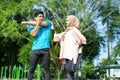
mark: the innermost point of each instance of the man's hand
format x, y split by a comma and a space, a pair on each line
80, 49
23, 22
35, 30
38, 21
52, 26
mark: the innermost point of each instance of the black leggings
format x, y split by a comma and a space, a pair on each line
44, 56
71, 67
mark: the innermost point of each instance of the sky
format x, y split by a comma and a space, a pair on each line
104, 49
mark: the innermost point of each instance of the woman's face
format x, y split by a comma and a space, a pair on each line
67, 22
72, 21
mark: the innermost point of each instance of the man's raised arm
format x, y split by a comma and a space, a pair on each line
42, 23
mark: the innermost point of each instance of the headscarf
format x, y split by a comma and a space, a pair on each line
73, 22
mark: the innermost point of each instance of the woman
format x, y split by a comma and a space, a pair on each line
70, 40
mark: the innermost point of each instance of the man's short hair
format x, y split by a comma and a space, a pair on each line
37, 13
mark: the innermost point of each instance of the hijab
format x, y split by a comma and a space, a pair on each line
73, 22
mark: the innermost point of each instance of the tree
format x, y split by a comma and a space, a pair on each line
55, 10
88, 70
110, 15
116, 52
109, 12
13, 35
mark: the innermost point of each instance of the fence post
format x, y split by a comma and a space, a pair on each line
25, 71
22, 73
1, 72
39, 72
18, 72
14, 72
58, 74
9, 72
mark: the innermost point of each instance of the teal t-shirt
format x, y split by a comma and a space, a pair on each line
42, 40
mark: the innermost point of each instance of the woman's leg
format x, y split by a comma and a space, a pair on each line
71, 69
78, 62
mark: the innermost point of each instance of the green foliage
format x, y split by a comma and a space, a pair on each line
116, 52
110, 16
93, 44
88, 69
113, 57
24, 52
11, 15
105, 62
12, 12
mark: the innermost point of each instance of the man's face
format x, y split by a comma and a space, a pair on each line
40, 16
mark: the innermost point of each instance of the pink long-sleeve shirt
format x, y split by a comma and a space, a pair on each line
69, 46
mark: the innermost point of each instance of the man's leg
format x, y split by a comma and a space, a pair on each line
46, 63
32, 64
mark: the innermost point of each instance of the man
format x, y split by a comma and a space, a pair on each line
40, 30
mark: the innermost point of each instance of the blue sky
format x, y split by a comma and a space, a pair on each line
104, 49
